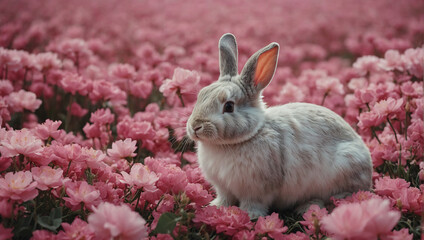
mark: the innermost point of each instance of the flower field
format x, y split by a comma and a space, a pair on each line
95, 95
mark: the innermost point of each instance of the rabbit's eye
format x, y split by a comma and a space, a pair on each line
229, 107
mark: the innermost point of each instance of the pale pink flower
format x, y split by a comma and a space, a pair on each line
102, 116
369, 119
5, 233
81, 192
388, 108
140, 177
24, 100
171, 178
48, 129
123, 149
367, 64
47, 177
74, 49
245, 235
6, 87
271, 225
95, 159
20, 142
329, 85
18, 186
364, 220
109, 221
47, 61
184, 82
77, 230
359, 196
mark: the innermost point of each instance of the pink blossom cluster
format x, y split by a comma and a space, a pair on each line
94, 100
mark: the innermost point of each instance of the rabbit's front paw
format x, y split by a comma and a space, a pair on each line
254, 210
222, 201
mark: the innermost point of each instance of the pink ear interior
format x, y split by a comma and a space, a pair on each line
266, 66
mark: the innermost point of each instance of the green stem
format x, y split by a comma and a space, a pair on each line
68, 114
394, 131
323, 98
69, 166
180, 97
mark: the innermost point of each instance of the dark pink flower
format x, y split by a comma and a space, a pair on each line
197, 194
43, 235
5, 233
388, 108
124, 71
24, 100
18, 186
109, 221
402, 234
271, 225
6, 87
386, 186
141, 89
77, 110
313, 218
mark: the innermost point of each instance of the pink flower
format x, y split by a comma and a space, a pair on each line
359, 196
77, 230
313, 218
43, 235
77, 110
122, 149
81, 192
367, 64
6, 87
24, 100
386, 186
109, 221
402, 234
141, 89
47, 177
20, 142
227, 220
124, 71
329, 85
48, 129
409, 199
5, 233
183, 81
102, 117
364, 220
171, 178
141, 177
296, 236
388, 108
197, 193
271, 225
18, 186
47, 61
74, 83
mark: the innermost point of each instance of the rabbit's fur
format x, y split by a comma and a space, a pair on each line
280, 156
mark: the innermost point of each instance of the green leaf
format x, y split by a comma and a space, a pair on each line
167, 223
53, 221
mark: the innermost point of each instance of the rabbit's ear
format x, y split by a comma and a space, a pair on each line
260, 68
228, 55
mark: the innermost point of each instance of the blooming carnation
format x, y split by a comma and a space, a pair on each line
24, 100
109, 221
47, 177
122, 149
141, 177
20, 142
365, 220
18, 186
271, 225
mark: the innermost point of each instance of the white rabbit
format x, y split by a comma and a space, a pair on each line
280, 156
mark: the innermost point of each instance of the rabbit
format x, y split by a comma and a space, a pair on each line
279, 157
